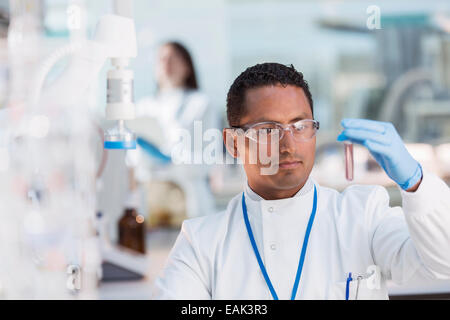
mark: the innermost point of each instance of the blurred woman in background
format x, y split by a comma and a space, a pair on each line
178, 103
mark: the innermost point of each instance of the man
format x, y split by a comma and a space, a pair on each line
285, 236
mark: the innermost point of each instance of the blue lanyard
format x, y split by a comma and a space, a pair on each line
302, 255
347, 286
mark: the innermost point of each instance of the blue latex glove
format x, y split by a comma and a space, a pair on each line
386, 146
153, 151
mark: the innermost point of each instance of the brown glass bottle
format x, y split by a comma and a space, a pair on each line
132, 231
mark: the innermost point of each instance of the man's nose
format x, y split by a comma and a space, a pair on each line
287, 143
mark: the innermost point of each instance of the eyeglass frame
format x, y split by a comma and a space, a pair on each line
290, 127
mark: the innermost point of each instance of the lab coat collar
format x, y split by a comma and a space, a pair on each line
252, 195
301, 201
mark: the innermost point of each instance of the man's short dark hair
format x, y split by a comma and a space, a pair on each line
261, 75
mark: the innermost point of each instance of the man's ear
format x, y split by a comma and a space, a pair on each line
229, 139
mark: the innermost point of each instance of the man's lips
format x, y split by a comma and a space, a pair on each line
290, 164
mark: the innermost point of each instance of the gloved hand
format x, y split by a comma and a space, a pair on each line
386, 146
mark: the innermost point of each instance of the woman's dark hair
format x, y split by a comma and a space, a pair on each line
260, 75
191, 80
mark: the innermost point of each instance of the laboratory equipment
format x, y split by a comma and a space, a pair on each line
122, 264
119, 263
120, 137
131, 225
127, 260
349, 163
132, 230
48, 164
115, 38
37, 240
387, 147
120, 101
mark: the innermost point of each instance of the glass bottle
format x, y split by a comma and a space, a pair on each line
132, 230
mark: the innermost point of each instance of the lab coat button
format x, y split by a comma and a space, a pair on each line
270, 209
273, 246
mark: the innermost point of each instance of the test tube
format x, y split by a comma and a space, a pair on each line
348, 160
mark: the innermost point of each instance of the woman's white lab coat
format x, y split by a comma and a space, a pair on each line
179, 109
354, 231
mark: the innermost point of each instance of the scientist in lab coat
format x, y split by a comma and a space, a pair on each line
287, 237
177, 105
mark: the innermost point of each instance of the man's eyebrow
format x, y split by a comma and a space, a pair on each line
263, 120
300, 117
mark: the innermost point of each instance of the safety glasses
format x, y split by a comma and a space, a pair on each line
268, 132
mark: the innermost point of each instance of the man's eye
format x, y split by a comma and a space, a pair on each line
300, 127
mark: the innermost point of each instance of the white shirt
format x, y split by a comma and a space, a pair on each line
352, 232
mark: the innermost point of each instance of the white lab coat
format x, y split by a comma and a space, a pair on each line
352, 231
177, 109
